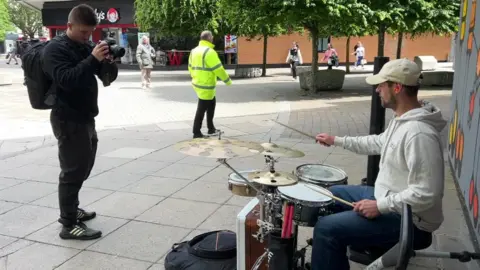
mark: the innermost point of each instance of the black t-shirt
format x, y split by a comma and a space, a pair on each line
293, 52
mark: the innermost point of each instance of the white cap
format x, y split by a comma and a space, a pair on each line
401, 71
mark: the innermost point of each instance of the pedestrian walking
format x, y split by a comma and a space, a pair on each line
205, 66
145, 55
331, 56
12, 54
294, 58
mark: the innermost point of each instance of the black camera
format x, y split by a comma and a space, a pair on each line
115, 50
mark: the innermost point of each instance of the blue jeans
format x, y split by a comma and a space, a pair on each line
333, 233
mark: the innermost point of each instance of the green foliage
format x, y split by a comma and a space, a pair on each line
28, 20
5, 23
252, 18
178, 17
436, 17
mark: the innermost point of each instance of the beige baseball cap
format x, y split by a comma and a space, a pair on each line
401, 71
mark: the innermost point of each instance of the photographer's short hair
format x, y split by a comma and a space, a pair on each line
83, 14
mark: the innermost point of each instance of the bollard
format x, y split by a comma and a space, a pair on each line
377, 123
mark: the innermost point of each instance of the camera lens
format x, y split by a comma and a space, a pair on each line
117, 51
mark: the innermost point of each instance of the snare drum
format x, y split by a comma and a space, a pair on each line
321, 175
309, 204
238, 186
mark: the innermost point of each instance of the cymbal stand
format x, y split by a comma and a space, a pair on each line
264, 226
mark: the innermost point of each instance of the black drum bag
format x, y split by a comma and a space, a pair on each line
215, 250
280, 252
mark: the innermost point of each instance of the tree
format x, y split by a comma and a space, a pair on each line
253, 19
437, 17
4, 19
353, 24
178, 17
28, 20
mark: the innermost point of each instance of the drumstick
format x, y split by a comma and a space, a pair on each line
284, 225
330, 195
294, 129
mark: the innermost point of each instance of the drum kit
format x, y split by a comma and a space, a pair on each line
285, 200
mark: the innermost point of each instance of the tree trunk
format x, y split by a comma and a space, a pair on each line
399, 45
314, 34
381, 40
347, 56
264, 65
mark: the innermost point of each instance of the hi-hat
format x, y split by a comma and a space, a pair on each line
275, 150
218, 148
276, 179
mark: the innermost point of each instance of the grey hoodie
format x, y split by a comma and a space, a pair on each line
411, 164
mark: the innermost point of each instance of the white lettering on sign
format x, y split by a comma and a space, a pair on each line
100, 15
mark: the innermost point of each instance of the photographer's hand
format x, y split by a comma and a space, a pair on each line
100, 51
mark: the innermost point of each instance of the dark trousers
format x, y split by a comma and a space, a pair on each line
333, 233
203, 106
77, 148
293, 66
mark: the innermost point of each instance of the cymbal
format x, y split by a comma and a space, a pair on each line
215, 148
273, 179
275, 150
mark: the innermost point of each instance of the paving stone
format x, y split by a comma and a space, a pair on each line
191, 235
27, 191
124, 205
174, 126
26, 219
9, 182
6, 240
129, 152
449, 244
113, 180
38, 256
157, 266
142, 167
141, 241
176, 212
7, 206
36, 172
87, 196
103, 164
14, 247
183, 171
168, 154
239, 200
158, 186
86, 259
223, 219
219, 175
205, 192
49, 234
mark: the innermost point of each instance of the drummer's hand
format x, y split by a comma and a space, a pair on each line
367, 208
325, 139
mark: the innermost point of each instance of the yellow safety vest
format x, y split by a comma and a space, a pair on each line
205, 66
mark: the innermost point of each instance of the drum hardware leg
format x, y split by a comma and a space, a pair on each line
223, 161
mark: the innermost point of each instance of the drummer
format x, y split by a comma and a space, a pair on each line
411, 171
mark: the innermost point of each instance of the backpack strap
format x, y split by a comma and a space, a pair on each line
209, 254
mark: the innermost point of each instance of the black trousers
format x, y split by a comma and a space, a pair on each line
77, 148
293, 66
203, 106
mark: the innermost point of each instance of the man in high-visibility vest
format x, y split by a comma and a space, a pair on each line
205, 66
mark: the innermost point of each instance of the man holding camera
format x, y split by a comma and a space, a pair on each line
72, 63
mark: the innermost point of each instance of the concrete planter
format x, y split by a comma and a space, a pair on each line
437, 78
327, 80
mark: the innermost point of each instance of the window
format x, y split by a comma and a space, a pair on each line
322, 44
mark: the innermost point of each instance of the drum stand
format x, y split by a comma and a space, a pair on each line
271, 216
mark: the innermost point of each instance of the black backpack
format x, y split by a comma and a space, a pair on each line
293, 52
37, 82
215, 250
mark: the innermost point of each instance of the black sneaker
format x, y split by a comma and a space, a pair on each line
83, 215
79, 232
213, 131
199, 136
